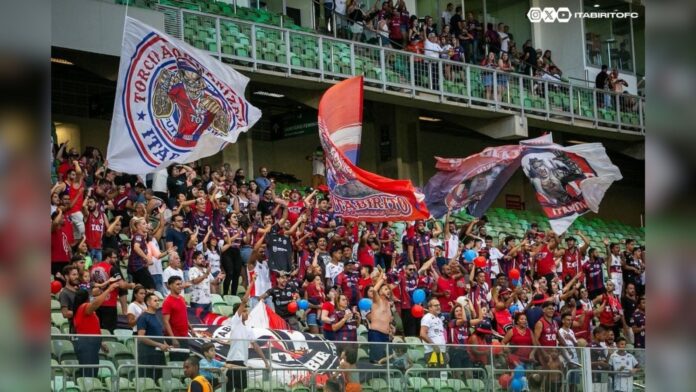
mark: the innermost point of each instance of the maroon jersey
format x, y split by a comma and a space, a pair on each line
94, 230
549, 331
571, 263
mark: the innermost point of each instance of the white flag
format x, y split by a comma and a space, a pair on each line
569, 181
174, 103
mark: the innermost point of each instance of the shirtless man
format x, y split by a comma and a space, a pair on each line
380, 319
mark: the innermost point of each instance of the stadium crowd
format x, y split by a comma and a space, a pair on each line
219, 229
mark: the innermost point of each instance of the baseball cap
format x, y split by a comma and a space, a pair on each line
571, 238
484, 327
538, 299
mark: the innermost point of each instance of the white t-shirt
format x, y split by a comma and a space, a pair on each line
447, 16
332, 270
263, 278
200, 293
569, 337
623, 363
168, 273
159, 181
494, 255
241, 336
432, 49
136, 310
451, 246
153, 250
436, 332
318, 168
504, 41
214, 260
434, 242
340, 6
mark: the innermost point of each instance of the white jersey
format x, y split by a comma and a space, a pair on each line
263, 278
623, 381
616, 274
451, 246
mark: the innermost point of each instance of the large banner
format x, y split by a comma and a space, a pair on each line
471, 183
294, 355
356, 193
174, 103
569, 181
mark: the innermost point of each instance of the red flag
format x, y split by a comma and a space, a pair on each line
275, 321
356, 193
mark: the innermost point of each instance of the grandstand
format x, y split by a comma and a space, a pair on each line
416, 107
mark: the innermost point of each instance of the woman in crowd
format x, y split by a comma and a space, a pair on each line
137, 306
520, 335
491, 65
86, 322
345, 321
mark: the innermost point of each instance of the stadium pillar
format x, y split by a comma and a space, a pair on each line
398, 134
508, 127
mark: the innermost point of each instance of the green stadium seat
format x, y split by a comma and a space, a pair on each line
418, 383
145, 384
90, 384
225, 310
172, 385
62, 350
118, 351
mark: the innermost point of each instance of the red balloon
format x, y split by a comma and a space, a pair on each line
480, 261
497, 347
292, 307
56, 287
514, 274
417, 311
504, 381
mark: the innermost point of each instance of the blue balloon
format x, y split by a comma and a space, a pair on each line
470, 255
516, 385
516, 282
418, 296
519, 371
365, 304
303, 304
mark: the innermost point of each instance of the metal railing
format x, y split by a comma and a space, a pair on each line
294, 365
273, 50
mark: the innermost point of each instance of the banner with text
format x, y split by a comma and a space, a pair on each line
356, 193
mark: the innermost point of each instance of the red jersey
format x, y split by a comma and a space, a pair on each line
583, 331
315, 296
446, 284
61, 239
363, 283
100, 273
76, 192
611, 306
549, 331
366, 256
503, 320
460, 287
94, 230
84, 323
175, 307
330, 308
522, 339
545, 264
571, 263
294, 210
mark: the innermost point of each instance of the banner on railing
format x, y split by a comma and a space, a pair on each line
356, 193
174, 103
294, 355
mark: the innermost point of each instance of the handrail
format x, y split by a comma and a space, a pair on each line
624, 112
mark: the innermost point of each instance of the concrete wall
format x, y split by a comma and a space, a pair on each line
306, 10
95, 26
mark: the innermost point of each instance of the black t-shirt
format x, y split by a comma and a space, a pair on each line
178, 239
601, 80
279, 251
629, 307
454, 25
265, 207
111, 242
531, 60
176, 185
281, 299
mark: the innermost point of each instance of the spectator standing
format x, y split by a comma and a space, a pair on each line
492, 39
282, 294
150, 349
529, 57
138, 260
346, 321
87, 323
546, 330
503, 38
201, 297
473, 27
432, 332
602, 83
136, 307
175, 317
614, 265
446, 16
491, 64
380, 319
104, 274
241, 337
625, 364
520, 335
460, 323
262, 180
67, 294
